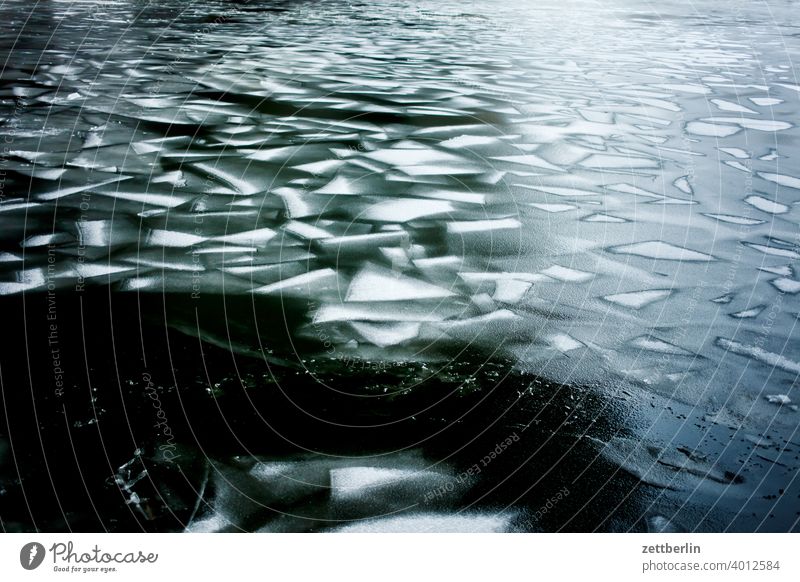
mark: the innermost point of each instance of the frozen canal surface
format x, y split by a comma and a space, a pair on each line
598, 201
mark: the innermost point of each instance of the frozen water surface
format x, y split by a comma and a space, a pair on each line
603, 194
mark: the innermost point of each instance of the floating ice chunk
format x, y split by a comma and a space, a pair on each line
724, 299
309, 284
391, 311
711, 129
413, 157
653, 344
564, 343
560, 191
90, 271
360, 482
554, 208
735, 219
687, 88
482, 225
775, 251
373, 283
766, 101
469, 141
778, 399
61, 192
406, 209
738, 153
760, 355
781, 179
431, 523
608, 161
766, 205
683, 185
660, 250
789, 86
175, 178
756, 124
9, 257
638, 299
258, 237
322, 168
529, 160
566, 274
510, 290
40, 240
446, 170
787, 285
346, 186
748, 313
274, 154
306, 231
730, 106
387, 334
737, 166
601, 217
363, 243
784, 271
171, 238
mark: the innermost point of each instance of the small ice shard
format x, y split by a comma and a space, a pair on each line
638, 299
322, 168
787, 285
306, 231
781, 179
759, 354
510, 290
775, 251
413, 157
784, 271
778, 399
469, 226
373, 283
567, 274
564, 343
723, 299
363, 244
359, 483
40, 240
756, 124
683, 185
748, 313
766, 205
258, 237
653, 344
601, 217
310, 284
612, 162
560, 191
451, 170
738, 153
406, 209
529, 160
553, 208
469, 141
735, 219
387, 334
737, 166
660, 250
170, 238
391, 311
766, 101
62, 192
711, 129
733, 107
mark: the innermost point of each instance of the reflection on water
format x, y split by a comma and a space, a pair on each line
579, 219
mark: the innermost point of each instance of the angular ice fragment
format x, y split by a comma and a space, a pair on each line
660, 250
564, 343
781, 179
653, 344
601, 217
735, 219
553, 208
638, 299
170, 238
787, 285
310, 284
529, 160
756, 124
258, 237
711, 129
766, 205
760, 355
566, 274
387, 334
778, 399
374, 283
406, 209
510, 290
483, 225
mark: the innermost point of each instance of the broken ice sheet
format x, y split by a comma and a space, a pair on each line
375, 283
638, 299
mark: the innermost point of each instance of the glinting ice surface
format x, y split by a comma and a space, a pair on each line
606, 188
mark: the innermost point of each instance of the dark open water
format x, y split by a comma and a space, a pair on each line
474, 266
